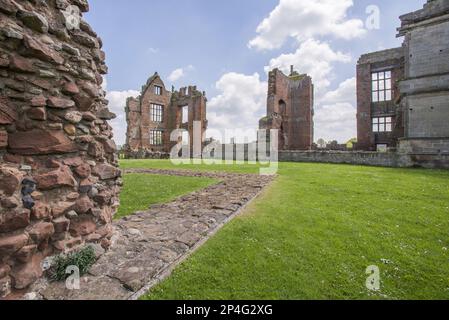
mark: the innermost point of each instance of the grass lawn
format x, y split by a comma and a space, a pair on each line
166, 164
313, 233
142, 190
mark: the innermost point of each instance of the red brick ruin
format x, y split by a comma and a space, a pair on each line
59, 176
290, 109
156, 113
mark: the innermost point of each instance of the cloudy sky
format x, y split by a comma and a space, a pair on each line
227, 47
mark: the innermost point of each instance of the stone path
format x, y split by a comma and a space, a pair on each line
150, 244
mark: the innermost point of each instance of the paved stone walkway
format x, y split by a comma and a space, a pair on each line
150, 244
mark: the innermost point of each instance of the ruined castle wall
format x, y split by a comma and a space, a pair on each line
59, 180
290, 110
301, 121
427, 80
140, 122
426, 84
196, 103
278, 89
146, 125
387, 60
366, 158
133, 115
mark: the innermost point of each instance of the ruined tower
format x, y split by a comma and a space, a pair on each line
290, 109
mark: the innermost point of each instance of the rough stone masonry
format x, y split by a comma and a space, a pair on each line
59, 178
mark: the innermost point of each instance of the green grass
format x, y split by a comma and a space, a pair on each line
313, 233
143, 190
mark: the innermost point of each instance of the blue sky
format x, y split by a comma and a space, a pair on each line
208, 42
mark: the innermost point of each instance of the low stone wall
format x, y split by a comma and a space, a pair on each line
145, 155
389, 159
59, 176
379, 159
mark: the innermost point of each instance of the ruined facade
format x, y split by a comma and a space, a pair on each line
157, 112
380, 121
59, 180
290, 109
420, 94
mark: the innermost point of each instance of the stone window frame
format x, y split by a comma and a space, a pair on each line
156, 137
157, 90
382, 124
156, 112
381, 86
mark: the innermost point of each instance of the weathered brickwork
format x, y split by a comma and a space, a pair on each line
59, 179
290, 109
158, 111
420, 102
391, 60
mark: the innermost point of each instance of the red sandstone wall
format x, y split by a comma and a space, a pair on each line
367, 139
295, 123
148, 97
59, 180
139, 117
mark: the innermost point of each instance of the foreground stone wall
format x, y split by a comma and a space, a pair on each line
59, 179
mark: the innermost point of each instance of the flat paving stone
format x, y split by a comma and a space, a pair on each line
149, 244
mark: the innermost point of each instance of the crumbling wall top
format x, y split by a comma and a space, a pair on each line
432, 9
379, 56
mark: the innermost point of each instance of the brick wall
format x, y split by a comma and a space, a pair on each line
140, 123
290, 110
387, 60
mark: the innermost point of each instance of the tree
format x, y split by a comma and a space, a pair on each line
321, 143
350, 143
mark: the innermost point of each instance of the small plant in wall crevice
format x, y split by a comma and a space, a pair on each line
82, 259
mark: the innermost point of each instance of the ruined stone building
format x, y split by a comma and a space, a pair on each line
290, 109
59, 176
157, 112
403, 93
380, 121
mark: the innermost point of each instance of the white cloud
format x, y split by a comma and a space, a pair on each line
153, 50
240, 104
346, 92
314, 58
335, 115
117, 103
303, 19
179, 73
335, 122
176, 75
